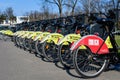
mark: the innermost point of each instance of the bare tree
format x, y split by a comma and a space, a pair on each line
87, 5
97, 5
33, 15
107, 5
45, 10
9, 14
36, 15
2, 17
59, 4
115, 3
71, 4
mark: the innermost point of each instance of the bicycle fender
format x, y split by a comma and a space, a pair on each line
25, 35
35, 35
53, 36
8, 32
41, 36
16, 33
95, 43
31, 35
69, 38
22, 34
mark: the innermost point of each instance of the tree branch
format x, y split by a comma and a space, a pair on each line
50, 1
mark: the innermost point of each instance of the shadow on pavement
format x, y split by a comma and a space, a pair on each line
68, 70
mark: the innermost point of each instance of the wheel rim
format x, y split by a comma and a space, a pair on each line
26, 43
87, 64
17, 41
21, 41
38, 47
66, 55
33, 46
50, 51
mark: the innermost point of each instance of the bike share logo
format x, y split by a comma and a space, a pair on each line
93, 42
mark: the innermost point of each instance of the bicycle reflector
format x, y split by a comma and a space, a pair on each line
78, 32
96, 33
59, 31
49, 30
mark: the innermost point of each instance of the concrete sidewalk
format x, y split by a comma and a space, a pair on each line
17, 64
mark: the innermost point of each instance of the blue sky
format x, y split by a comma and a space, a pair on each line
20, 7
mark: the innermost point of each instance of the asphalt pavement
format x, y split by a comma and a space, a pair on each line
17, 64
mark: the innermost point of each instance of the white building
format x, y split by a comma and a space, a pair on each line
20, 19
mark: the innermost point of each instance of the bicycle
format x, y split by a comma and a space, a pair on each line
100, 52
49, 43
27, 36
37, 31
21, 29
47, 28
64, 54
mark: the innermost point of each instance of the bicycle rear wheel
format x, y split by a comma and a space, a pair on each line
38, 48
65, 55
14, 40
17, 41
87, 64
49, 50
26, 43
32, 45
21, 42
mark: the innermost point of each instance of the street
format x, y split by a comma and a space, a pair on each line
17, 64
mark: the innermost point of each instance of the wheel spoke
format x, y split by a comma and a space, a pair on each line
50, 51
88, 64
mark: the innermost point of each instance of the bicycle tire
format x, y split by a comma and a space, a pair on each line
32, 45
38, 48
65, 57
49, 51
21, 42
26, 43
17, 41
82, 61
